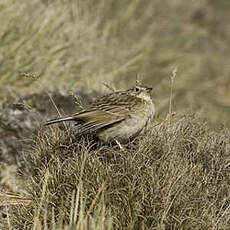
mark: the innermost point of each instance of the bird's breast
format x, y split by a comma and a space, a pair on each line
137, 122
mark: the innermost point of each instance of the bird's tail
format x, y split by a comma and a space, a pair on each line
61, 119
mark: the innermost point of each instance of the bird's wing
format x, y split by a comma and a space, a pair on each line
95, 118
100, 117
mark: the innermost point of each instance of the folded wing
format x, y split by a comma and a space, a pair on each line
93, 119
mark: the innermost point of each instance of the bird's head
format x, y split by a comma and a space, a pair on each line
142, 92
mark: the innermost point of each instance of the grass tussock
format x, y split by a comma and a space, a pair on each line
175, 177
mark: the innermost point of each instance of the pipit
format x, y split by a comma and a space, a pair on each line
116, 117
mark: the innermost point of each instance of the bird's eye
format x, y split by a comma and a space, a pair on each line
137, 89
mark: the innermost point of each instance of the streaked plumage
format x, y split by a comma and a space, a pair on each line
118, 116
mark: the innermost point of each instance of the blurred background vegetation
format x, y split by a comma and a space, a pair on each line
79, 44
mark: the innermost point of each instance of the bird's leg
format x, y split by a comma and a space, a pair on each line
119, 144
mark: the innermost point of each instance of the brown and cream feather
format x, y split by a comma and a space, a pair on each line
116, 116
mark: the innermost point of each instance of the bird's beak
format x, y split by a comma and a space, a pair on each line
149, 89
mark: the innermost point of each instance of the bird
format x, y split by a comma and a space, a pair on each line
119, 116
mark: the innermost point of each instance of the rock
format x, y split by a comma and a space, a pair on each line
20, 119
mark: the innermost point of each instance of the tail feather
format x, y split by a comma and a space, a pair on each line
53, 121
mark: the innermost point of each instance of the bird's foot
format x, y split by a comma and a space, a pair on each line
119, 144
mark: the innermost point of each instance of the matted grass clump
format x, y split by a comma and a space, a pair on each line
174, 177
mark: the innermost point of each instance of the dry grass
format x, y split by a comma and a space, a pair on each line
176, 177
81, 43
